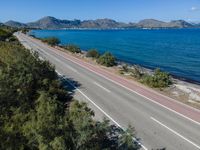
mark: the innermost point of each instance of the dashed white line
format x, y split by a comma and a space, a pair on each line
176, 133
142, 96
196, 122
101, 109
102, 87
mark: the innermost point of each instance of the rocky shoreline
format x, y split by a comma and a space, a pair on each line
184, 90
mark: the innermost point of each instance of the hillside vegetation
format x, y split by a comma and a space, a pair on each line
36, 112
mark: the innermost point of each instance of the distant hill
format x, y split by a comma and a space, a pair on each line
197, 25
101, 23
151, 23
16, 24
54, 23
179, 24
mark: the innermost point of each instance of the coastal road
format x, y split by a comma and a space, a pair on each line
160, 122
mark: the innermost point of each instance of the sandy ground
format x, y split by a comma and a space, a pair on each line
188, 93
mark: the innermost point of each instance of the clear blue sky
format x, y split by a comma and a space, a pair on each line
120, 10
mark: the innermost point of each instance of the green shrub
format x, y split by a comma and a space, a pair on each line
25, 30
72, 48
158, 80
107, 59
4, 34
12, 39
93, 53
51, 41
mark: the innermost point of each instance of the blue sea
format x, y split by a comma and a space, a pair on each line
176, 51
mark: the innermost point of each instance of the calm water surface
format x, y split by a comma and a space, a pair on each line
174, 50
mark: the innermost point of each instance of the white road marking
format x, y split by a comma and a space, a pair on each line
137, 94
102, 87
56, 59
198, 123
101, 109
176, 133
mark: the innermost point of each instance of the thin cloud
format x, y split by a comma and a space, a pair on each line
194, 9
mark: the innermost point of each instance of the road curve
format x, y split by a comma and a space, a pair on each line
159, 121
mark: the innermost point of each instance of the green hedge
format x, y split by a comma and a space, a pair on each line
107, 59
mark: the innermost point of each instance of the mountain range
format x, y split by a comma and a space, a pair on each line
54, 23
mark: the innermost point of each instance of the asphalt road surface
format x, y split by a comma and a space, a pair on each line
160, 122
